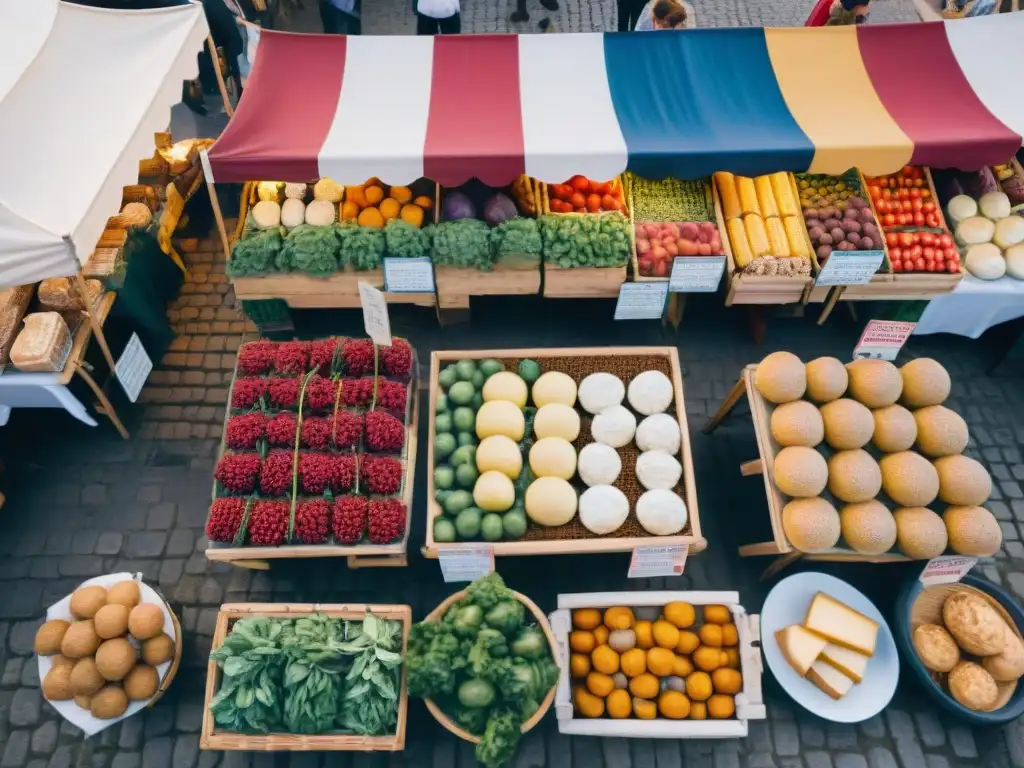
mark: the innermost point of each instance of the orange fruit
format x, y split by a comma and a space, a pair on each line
717, 614
698, 710
582, 641
682, 666
688, 642
711, 634
707, 658
601, 634
644, 709
681, 614
618, 618
721, 707
727, 680
600, 685
633, 662
732, 658
644, 686
699, 687
605, 660
660, 661
618, 704
586, 618
665, 634
644, 634
673, 705
587, 704
579, 665
730, 636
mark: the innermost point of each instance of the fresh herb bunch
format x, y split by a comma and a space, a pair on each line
585, 240
484, 666
461, 243
309, 249
405, 241
256, 252
517, 240
363, 248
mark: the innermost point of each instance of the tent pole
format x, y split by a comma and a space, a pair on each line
215, 204
215, 60
97, 328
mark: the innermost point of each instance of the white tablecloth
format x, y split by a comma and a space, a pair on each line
973, 307
38, 390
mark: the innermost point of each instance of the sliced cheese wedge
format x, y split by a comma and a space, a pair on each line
829, 679
850, 663
841, 625
800, 647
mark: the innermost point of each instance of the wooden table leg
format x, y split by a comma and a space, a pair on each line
755, 467
253, 565
730, 402
830, 304
761, 549
757, 323
781, 564
105, 407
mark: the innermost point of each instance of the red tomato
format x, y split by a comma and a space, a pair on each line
920, 183
928, 252
927, 207
917, 204
661, 269
892, 239
916, 252
578, 200
601, 188
897, 265
927, 238
952, 267
580, 183
931, 266
608, 202
906, 239
907, 170
915, 194
945, 241
645, 266
581, 210
887, 194
918, 219
889, 220
919, 265
594, 203
932, 220
557, 205
896, 253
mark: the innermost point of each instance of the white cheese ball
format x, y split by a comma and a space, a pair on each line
614, 426
598, 464
661, 512
659, 432
603, 509
657, 469
599, 391
650, 392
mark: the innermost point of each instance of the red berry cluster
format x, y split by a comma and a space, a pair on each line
358, 356
387, 520
391, 395
348, 519
316, 433
320, 471
276, 473
384, 432
321, 355
244, 431
237, 472
357, 393
312, 522
225, 519
347, 428
284, 392
397, 358
382, 474
268, 523
292, 357
246, 392
281, 430
320, 393
256, 357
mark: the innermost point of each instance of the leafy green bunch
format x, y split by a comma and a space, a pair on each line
585, 240
461, 243
517, 241
362, 247
255, 253
405, 241
309, 249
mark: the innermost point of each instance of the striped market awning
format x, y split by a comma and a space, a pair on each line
684, 104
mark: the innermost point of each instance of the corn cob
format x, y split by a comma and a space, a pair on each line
748, 195
797, 239
757, 235
777, 237
741, 253
783, 190
765, 196
727, 191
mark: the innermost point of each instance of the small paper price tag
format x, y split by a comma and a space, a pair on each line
408, 275
850, 267
649, 562
641, 301
947, 569
375, 314
696, 274
883, 339
133, 367
466, 564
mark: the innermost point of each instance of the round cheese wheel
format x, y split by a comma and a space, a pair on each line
599, 464
601, 390
603, 509
553, 457
500, 417
550, 501
554, 387
505, 385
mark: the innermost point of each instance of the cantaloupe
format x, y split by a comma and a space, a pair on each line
827, 379
868, 527
972, 531
895, 429
797, 423
876, 383
854, 476
800, 472
925, 382
780, 377
920, 533
811, 525
500, 417
909, 479
848, 424
963, 481
940, 431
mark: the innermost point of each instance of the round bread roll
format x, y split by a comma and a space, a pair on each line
973, 687
1007, 666
146, 620
124, 593
157, 650
50, 636
936, 648
111, 621
975, 624
85, 601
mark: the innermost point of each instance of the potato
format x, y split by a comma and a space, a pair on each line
832, 223
824, 251
866, 244
838, 234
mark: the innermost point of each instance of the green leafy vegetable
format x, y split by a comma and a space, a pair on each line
517, 243
405, 241
256, 252
586, 240
309, 249
462, 243
362, 248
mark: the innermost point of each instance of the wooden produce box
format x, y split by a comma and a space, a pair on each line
214, 738
574, 538
749, 702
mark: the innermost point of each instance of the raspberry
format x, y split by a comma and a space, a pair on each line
391, 395
320, 393
312, 522
316, 433
225, 519
382, 474
357, 393
346, 429
384, 432
348, 519
284, 392
237, 472
319, 472
387, 520
268, 523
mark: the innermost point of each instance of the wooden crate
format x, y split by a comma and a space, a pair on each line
359, 555
693, 540
213, 738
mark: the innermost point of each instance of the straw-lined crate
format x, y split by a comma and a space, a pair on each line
215, 738
303, 291
334, 403
574, 537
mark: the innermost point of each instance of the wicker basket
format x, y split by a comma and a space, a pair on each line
176, 661
542, 622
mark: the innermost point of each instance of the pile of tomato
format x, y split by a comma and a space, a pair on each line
581, 195
922, 252
904, 199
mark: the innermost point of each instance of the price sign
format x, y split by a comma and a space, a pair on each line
466, 564
641, 301
133, 367
649, 562
850, 267
375, 314
696, 274
408, 275
883, 339
947, 569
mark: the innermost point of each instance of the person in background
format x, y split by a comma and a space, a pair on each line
835, 13
437, 17
341, 17
661, 14
629, 13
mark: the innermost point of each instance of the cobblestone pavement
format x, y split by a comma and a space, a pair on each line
90, 503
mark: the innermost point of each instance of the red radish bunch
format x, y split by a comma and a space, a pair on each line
291, 358
244, 431
657, 243
312, 522
358, 356
381, 474
256, 357
268, 523
284, 392
347, 427
281, 430
320, 393
397, 358
384, 432
237, 472
276, 473
225, 519
348, 519
321, 355
246, 393
387, 520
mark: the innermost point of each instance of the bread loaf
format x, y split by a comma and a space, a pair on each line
13, 303
61, 294
43, 344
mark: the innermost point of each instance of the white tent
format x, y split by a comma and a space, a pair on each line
82, 91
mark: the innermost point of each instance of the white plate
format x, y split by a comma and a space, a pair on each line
787, 604
62, 610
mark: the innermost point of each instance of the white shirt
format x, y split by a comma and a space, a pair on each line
438, 9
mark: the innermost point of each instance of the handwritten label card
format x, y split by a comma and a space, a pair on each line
883, 339
133, 368
466, 564
375, 314
947, 569
408, 275
696, 274
649, 562
641, 301
850, 267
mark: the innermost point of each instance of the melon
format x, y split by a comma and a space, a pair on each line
940, 431
972, 531
848, 424
505, 385
557, 420
554, 387
920, 533
800, 471
876, 383
780, 377
494, 492
963, 481
499, 453
553, 457
550, 501
909, 479
854, 476
811, 525
827, 379
925, 382
895, 429
500, 417
797, 423
868, 527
